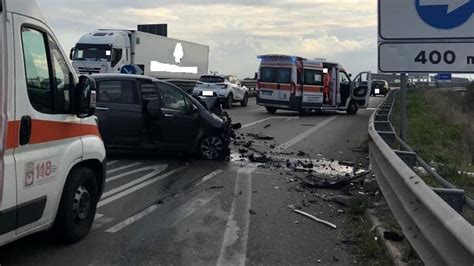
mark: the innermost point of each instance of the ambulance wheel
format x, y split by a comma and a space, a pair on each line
353, 108
271, 110
305, 112
245, 101
228, 101
78, 205
319, 111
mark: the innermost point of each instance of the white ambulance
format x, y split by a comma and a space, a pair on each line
51, 154
299, 84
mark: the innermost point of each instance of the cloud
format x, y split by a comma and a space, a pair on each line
236, 30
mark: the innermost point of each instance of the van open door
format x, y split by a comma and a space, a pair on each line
3, 98
360, 89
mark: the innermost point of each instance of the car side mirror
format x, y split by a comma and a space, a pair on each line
350, 75
85, 97
153, 109
71, 53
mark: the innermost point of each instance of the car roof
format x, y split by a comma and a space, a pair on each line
122, 76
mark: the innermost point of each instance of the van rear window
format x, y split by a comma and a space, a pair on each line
313, 77
275, 75
212, 79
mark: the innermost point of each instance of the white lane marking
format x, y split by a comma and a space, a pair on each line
193, 205
209, 176
132, 183
234, 244
129, 188
132, 219
156, 168
98, 215
98, 223
304, 135
371, 109
122, 167
292, 118
110, 163
263, 120
256, 110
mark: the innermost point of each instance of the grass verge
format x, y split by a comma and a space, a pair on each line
441, 131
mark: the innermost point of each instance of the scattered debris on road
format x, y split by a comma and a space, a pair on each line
260, 136
328, 181
302, 154
257, 158
294, 209
393, 236
252, 212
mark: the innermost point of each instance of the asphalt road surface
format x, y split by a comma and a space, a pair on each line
182, 211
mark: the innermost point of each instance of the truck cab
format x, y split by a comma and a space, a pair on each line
52, 158
299, 84
102, 51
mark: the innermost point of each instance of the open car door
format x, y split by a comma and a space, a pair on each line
360, 88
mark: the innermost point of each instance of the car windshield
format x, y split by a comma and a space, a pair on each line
92, 52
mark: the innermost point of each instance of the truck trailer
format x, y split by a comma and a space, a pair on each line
139, 52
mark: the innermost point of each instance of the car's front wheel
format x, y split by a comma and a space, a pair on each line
78, 205
245, 101
212, 147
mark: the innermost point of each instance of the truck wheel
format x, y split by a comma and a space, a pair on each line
212, 147
353, 108
245, 101
228, 101
78, 205
271, 110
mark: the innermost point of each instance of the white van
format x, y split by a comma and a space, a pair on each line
52, 157
300, 84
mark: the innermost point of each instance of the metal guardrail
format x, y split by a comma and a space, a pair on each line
439, 234
441, 180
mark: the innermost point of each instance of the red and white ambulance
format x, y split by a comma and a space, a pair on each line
299, 84
52, 157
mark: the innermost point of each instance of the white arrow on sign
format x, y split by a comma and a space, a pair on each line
452, 4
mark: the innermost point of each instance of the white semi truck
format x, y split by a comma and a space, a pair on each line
137, 52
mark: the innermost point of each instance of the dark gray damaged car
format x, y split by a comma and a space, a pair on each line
143, 113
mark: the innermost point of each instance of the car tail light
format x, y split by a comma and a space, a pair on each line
258, 86
223, 86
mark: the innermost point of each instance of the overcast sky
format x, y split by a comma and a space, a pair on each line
236, 31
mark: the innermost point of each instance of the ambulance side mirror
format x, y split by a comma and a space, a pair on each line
85, 97
71, 53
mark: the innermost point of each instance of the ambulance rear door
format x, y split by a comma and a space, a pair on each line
313, 96
49, 136
275, 85
360, 89
8, 199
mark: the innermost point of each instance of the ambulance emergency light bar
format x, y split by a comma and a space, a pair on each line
278, 57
